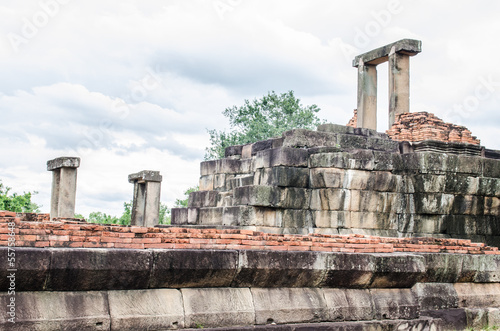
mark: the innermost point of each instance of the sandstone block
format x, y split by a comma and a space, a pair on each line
476, 295
382, 144
491, 168
338, 308
436, 296
179, 216
489, 186
349, 270
233, 151
206, 183
296, 218
146, 309
372, 220
193, 268
357, 179
397, 270
330, 199
240, 180
98, 269
46, 310
290, 157
266, 144
433, 203
301, 138
217, 307
384, 161
491, 206
280, 269
361, 305
335, 128
359, 159
200, 199
210, 215
288, 305
329, 219
469, 165
350, 141
326, 177
284, 177
208, 168
394, 304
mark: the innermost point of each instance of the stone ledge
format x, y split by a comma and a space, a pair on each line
145, 176
405, 46
63, 162
126, 269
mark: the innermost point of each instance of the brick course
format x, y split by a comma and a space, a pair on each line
71, 233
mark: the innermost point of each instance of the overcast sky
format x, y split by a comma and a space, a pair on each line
134, 85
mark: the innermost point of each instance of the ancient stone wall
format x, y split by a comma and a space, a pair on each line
341, 180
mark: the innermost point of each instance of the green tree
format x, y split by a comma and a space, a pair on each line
125, 219
183, 203
19, 203
262, 119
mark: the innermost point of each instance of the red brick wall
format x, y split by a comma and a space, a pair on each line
426, 126
70, 233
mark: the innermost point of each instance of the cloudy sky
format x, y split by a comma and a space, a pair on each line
131, 85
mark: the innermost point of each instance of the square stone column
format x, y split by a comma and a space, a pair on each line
62, 202
367, 96
146, 203
399, 84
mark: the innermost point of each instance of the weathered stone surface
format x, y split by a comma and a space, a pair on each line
379, 55
290, 157
371, 220
358, 159
382, 144
63, 162
349, 271
283, 177
361, 305
477, 295
442, 268
280, 269
488, 270
218, 307
491, 168
397, 270
338, 308
266, 144
436, 296
329, 218
350, 141
452, 319
271, 196
394, 304
301, 138
297, 218
288, 305
233, 150
240, 180
326, 177
30, 268
193, 268
145, 176
330, 199
211, 216
57, 311
146, 309
199, 199
98, 269
179, 216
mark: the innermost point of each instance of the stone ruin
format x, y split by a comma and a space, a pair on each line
342, 228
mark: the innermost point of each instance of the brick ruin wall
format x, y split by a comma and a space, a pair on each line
343, 180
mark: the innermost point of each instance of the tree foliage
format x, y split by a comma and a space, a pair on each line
183, 203
262, 119
126, 218
19, 203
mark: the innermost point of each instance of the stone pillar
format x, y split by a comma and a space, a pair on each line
62, 202
146, 203
399, 84
367, 96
